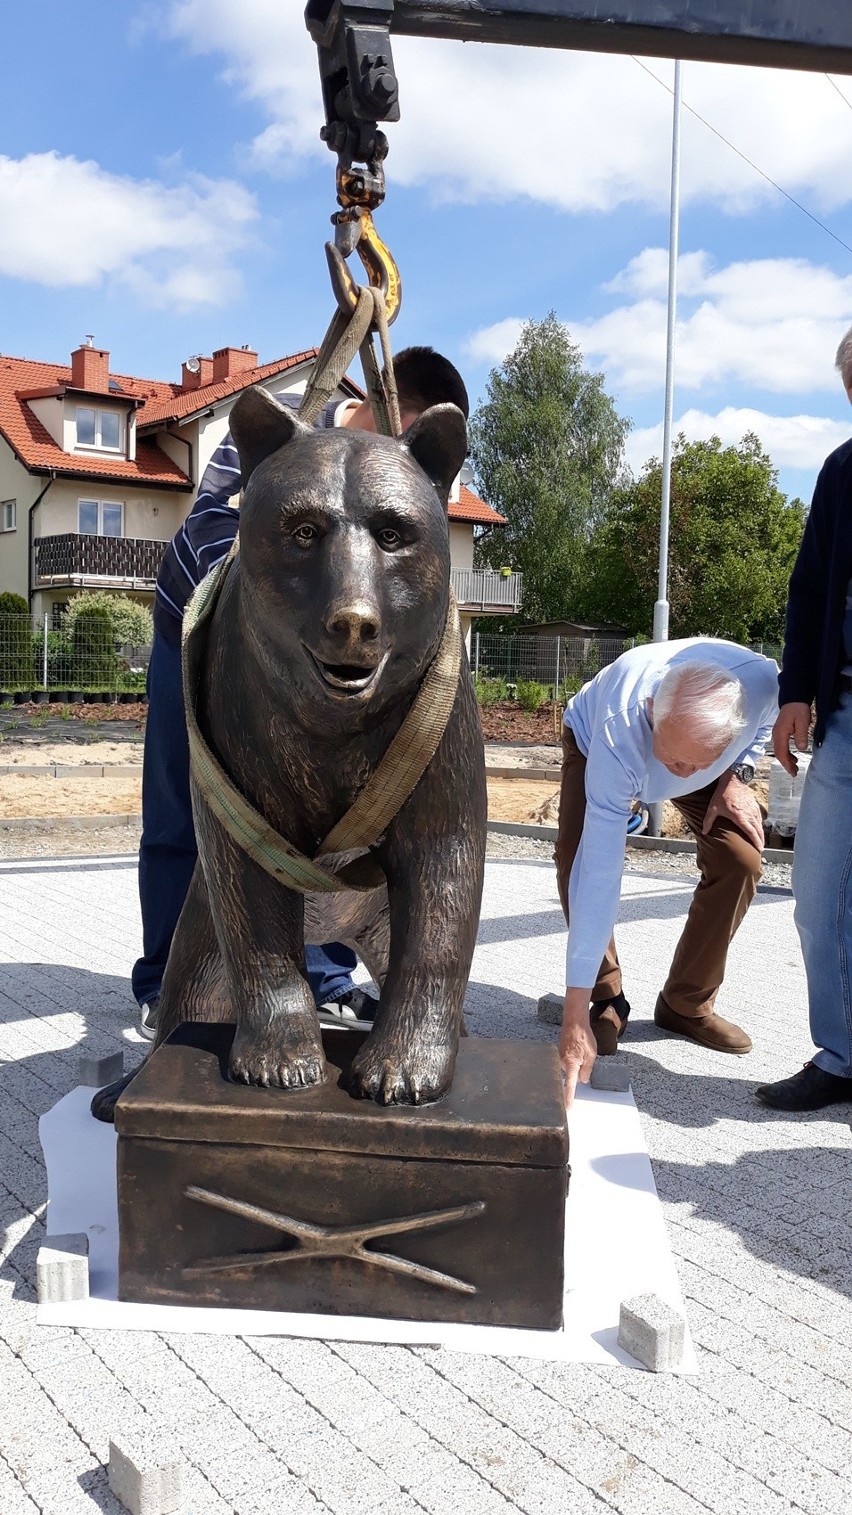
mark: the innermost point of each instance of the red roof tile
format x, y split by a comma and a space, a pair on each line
469, 507
157, 403
36, 448
180, 405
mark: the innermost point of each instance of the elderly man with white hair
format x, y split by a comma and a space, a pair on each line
684, 721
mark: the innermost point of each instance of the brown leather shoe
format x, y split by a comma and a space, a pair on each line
608, 1025
708, 1030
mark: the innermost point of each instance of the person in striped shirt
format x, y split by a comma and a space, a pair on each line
168, 852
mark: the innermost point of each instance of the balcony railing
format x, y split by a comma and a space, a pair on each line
74, 559
483, 590
77, 559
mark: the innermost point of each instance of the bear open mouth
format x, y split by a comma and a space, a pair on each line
349, 678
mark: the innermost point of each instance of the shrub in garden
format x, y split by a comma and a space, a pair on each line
531, 695
59, 659
133, 624
95, 661
17, 665
490, 691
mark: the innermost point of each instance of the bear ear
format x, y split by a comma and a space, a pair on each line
260, 426
438, 442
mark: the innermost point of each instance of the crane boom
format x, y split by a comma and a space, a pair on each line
360, 88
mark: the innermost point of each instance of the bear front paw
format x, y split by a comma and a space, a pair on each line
277, 1062
402, 1076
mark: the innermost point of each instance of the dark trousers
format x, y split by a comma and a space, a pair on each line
730, 870
167, 852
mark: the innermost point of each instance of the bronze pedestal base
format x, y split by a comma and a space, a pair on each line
317, 1202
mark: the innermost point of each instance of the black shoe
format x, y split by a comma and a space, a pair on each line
608, 1019
148, 1018
812, 1089
355, 1010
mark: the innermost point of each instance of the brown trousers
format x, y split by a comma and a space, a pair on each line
730, 868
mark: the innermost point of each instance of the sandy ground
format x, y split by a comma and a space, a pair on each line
78, 752
518, 799
22, 794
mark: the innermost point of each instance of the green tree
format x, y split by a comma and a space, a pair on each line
17, 668
547, 446
733, 541
93, 645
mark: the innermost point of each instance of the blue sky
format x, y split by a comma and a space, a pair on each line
162, 186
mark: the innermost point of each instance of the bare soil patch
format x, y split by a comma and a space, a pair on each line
23, 794
521, 799
507, 722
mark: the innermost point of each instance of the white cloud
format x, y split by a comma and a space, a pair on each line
800, 441
772, 323
491, 344
70, 223
580, 131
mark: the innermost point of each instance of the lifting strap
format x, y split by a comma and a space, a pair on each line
384, 794
346, 335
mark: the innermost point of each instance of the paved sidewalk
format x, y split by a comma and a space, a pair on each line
757, 1206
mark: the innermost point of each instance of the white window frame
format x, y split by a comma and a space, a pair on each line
113, 504
99, 445
8, 515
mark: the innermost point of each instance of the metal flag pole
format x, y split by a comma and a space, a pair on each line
661, 608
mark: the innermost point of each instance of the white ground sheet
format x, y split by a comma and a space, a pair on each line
616, 1246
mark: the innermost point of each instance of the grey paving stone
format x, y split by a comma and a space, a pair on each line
549, 1009
651, 1331
95, 1069
756, 1203
147, 1471
611, 1073
62, 1269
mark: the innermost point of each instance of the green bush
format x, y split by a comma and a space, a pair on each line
490, 691
132, 623
569, 687
95, 662
17, 668
531, 695
59, 659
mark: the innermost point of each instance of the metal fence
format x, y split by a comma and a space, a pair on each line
560, 662
67, 664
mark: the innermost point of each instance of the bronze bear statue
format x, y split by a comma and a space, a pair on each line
326, 626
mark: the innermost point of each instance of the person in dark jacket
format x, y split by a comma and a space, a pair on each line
817, 667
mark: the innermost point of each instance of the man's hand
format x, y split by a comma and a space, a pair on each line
577, 1050
735, 802
794, 720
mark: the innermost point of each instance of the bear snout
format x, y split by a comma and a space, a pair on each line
353, 625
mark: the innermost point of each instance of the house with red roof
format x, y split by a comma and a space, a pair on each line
98, 470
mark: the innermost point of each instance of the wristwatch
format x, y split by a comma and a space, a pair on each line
744, 772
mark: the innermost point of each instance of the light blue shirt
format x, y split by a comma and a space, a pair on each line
611, 726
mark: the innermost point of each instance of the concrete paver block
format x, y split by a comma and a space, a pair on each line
612, 1073
147, 1472
652, 1332
62, 1268
95, 1069
550, 1009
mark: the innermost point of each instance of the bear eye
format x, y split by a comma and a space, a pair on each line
388, 538
305, 534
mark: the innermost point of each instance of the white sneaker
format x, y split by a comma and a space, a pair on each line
148, 1018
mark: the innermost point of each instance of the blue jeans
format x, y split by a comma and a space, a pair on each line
167, 852
822, 888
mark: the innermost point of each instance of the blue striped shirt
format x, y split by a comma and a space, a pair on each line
206, 535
